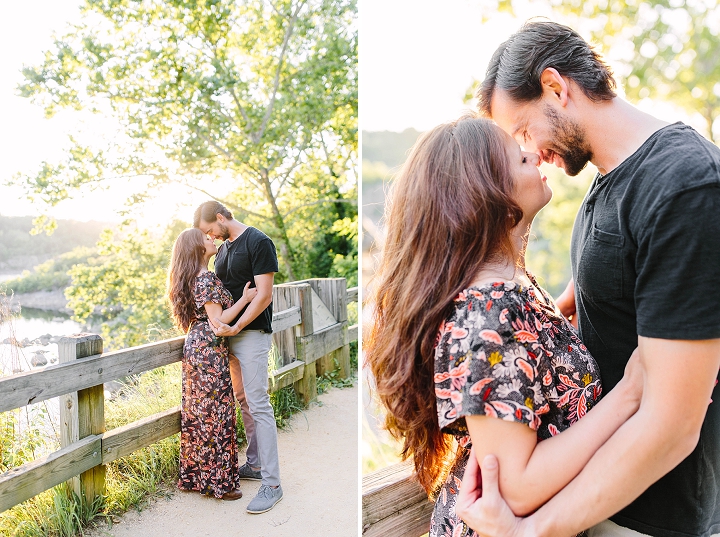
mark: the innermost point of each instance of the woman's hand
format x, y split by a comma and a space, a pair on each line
479, 503
249, 294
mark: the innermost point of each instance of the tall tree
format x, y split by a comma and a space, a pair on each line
261, 91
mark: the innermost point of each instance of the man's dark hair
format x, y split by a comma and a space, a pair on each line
518, 63
208, 211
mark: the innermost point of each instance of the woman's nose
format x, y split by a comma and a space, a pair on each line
534, 158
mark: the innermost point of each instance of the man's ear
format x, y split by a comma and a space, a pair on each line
554, 86
220, 218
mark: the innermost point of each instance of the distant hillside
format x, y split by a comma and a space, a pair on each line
19, 250
388, 147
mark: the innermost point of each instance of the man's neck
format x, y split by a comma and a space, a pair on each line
236, 229
615, 130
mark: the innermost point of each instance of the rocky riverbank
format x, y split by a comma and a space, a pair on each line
41, 300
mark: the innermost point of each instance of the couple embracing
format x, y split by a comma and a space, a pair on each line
233, 301
610, 429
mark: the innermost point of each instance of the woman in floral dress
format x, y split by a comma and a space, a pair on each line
465, 345
208, 439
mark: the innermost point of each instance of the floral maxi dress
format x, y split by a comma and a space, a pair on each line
503, 353
208, 438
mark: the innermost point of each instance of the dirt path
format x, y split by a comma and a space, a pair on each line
319, 472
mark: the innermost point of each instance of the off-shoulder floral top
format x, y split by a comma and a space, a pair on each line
504, 353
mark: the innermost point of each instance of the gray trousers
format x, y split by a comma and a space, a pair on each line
251, 347
608, 528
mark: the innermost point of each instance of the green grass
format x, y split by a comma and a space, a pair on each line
55, 512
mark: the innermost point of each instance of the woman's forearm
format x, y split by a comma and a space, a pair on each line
530, 479
228, 315
573, 448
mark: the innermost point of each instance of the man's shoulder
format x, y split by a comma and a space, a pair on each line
684, 157
675, 160
256, 239
256, 235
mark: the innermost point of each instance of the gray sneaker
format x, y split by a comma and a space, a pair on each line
246, 472
265, 500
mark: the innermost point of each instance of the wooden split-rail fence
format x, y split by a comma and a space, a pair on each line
394, 503
310, 332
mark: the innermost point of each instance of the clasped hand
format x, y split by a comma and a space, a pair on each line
220, 328
480, 504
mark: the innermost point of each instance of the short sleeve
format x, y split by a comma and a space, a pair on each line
677, 292
487, 360
208, 289
264, 257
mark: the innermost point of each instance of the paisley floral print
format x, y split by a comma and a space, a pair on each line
208, 441
504, 353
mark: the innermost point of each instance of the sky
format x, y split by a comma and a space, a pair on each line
27, 138
417, 60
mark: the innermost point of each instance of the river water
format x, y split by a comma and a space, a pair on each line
37, 333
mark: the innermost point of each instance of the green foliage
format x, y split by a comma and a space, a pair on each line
285, 403
143, 474
126, 286
373, 172
669, 47
52, 274
346, 266
19, 445
148, 471
333, 380
262, 92
54, 513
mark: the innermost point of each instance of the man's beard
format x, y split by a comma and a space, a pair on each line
569, 139
224, 232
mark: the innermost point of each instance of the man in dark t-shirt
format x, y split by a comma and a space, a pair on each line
646, 265
248, 255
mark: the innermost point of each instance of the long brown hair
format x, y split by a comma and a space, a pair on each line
187, 259
449, 213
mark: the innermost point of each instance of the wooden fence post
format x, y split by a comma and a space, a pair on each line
333, 292
82, 413
307, 386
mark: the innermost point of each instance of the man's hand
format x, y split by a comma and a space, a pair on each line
566, 303
479, 502
220, 328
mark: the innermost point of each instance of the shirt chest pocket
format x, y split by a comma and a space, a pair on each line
600, 268
241, 265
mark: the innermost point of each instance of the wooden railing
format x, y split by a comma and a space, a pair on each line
78, 380
394, 503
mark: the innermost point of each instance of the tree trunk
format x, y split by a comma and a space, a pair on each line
285, 249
